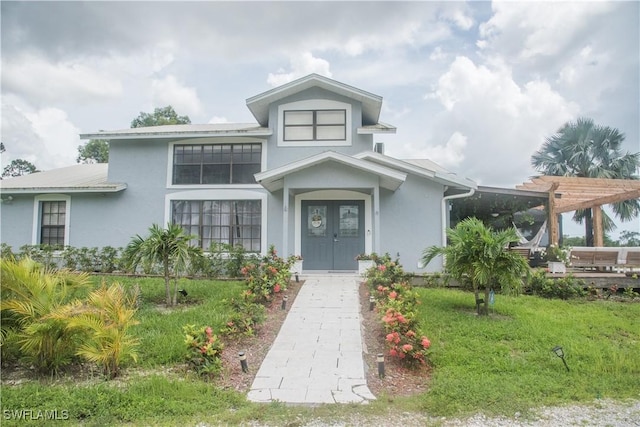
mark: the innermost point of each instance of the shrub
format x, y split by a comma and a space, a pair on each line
562, 288
204, 350
267, 276
246, 315
396, 302
105, 319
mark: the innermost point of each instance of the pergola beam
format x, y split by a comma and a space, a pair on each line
568, 193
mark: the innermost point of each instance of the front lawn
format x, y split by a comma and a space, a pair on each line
502, 364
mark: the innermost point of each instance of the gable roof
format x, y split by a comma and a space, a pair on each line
272, 179
421, 167
371, 104
83, 178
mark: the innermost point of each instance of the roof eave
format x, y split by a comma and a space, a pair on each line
40, 190
168, 135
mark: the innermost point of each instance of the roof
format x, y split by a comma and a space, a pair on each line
420, 167
183, 131
82, 178
371, 104
272, 179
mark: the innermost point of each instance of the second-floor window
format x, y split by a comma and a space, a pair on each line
315, 125
216, 163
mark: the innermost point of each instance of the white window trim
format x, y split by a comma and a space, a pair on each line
315, 104
37, 216
223, 194
205, 141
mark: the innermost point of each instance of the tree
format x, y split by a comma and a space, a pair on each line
168, 247
629, 238
584, 149
160, 117
477, 254
19, 167
94, 151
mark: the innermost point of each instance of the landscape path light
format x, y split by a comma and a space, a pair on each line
560, 353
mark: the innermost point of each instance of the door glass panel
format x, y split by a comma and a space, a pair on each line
317, 221
349, 221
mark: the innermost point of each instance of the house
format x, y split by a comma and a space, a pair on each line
307, 177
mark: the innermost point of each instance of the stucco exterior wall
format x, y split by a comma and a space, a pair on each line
410, 221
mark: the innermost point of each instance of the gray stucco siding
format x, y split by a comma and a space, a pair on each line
17, 221
410, 221
279, 155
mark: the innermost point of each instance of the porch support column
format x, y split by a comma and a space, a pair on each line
553, 215
598, 234
285, 220
376, 219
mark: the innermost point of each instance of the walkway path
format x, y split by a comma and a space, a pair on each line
317, 355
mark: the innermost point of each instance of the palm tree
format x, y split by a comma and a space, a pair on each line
30, 293
584, 149
477, 254
106, 317
168, 247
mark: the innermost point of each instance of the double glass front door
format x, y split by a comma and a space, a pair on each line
332, 234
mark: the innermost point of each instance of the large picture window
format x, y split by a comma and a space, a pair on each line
233, 222
315, 125
216, 163
52, 222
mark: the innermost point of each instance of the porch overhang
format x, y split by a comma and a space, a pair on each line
273, 179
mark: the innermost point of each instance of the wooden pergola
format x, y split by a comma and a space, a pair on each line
567, 194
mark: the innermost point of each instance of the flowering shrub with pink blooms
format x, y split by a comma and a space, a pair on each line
204, 350
268, 275
395, 302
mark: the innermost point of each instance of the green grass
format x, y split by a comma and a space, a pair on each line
503, 364
498, 365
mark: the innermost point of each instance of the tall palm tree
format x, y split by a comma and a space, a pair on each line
584, 149
168, 247
478, 254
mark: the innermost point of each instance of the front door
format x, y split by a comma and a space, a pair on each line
332, 234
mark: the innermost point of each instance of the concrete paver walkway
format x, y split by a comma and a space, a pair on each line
317, 355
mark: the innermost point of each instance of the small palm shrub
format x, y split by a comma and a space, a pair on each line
30, 294
204, 350
104, 321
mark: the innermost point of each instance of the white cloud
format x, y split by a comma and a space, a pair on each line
530, 29
301, 65
44, 137
76, 81
168, 91
451, 154
503, 122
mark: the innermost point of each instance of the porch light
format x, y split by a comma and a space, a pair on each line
560, 353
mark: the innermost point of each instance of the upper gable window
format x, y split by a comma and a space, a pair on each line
315, 125
314, 122
216, 163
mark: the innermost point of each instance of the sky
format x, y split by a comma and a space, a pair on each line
474, 86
